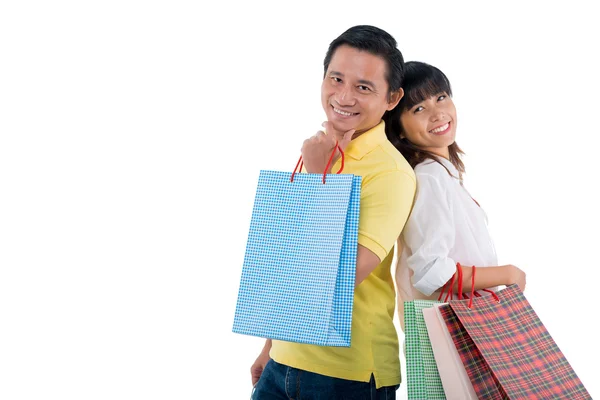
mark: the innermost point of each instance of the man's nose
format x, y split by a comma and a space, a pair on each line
344, 96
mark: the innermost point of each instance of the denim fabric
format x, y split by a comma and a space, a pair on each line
280, 382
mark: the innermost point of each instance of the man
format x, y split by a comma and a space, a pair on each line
363, 79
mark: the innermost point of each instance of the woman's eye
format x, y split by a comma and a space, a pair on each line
442, 97
418, 109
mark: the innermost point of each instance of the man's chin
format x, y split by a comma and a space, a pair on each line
342, 127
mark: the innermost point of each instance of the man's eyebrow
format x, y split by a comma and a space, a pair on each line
362, 81
368, 83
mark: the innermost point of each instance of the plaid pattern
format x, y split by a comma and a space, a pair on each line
456, 382
517, 348
297, 280
423, 378
484, 382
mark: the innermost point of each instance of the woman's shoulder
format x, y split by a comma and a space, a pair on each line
433, 174
434, 169
434, 182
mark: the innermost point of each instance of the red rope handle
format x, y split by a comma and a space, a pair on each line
476, 294
450, 284
443, 290
330, 160
301, 163
449, 294
342, 161
493, 294
460, 280
473, 292
296, 168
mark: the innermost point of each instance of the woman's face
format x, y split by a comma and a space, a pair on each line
431, 124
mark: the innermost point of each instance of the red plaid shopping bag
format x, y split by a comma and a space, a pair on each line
507, 351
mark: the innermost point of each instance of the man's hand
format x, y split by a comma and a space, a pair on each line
259, 365
317, 150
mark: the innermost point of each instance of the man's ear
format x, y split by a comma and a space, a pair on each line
395, 98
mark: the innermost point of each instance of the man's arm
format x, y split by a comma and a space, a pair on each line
366, 262
386, 201
261, 361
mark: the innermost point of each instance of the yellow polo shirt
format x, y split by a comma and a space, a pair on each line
388, 189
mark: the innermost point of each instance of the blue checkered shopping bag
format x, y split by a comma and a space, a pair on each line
297, 280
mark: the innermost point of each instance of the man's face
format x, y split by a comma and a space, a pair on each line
354, 92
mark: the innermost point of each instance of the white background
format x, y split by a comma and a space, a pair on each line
132, 135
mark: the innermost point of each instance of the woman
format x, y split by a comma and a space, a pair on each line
446, 225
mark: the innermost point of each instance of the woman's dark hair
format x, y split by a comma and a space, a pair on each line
421, 81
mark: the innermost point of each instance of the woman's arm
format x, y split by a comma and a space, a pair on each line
430, 236
491, 276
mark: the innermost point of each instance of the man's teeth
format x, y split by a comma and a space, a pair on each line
347, 114
440, 129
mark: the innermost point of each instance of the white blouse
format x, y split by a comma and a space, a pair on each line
445, 226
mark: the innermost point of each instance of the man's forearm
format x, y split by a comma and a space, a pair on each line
366, 262
267, 347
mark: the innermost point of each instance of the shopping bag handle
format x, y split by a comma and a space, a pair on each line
475, 294
450, 284
460, 279
301, 163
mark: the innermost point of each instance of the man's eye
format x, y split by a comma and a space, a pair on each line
364, 88
336, 79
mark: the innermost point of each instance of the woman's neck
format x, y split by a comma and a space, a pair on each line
441, 152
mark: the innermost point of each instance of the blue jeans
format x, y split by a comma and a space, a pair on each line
280, 382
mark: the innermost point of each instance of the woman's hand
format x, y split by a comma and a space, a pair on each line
517, 276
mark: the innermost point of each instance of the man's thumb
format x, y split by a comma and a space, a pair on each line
347, 139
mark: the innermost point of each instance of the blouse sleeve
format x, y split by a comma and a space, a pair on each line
430, 235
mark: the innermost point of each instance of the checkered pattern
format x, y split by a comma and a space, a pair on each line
423, 378
415, 376
297, 280
520, 353
343, 297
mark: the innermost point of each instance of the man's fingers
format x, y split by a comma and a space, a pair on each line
329, 127
256, 373
347, 138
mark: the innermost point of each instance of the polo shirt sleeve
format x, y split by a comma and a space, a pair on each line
429, 235
385, 203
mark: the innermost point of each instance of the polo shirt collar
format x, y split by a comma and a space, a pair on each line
366, 142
